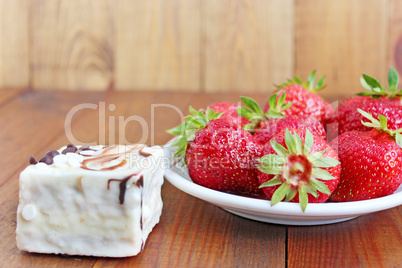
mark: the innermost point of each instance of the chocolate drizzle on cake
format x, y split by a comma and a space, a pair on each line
122, 186
106, 157
102, 160
144, 154
140, 184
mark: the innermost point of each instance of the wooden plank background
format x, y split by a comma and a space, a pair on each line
196, 45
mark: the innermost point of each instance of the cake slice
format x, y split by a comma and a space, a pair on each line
90, 200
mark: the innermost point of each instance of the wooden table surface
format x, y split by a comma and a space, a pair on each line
191, 232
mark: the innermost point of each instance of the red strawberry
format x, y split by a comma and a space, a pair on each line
219, 154
266, 125
271, 127
377, 101
371, 161
228, 111
299, 167
305, 101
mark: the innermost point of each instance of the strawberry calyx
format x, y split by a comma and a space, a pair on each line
382, 125
308, 85
186, 132
375, 90
254, 113
296, 169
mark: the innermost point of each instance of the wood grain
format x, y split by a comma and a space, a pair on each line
8, 94
30, 123
72, 44
248, 45
14, 46
158, 45
196, 46
395, 35
342, 40
368, 241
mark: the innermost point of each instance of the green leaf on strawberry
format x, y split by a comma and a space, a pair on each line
297, 168
309, 85
375, 90
254, 113
393, 79
195, 121
381, 124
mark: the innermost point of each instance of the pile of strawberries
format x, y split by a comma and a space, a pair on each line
298, 148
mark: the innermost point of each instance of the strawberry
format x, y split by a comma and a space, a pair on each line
371, 161
266, 125
228, 111
377, 101
299, 167
305, 101
271, 127
218, 153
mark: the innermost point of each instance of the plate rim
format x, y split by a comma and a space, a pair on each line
341, 209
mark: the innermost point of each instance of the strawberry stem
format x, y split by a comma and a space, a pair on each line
254, 113
186, 131
308, 85
296, 169
381, 124
375, 90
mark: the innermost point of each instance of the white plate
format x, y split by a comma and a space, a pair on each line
283, 212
